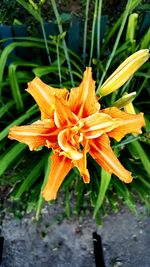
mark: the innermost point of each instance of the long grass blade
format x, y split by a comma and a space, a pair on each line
136, 146
9, 48
125, 193
104, 183
30, 9
145, 42
11, 156
5, 108
41, 199
51, 47
15, 88
30, 179
40, 71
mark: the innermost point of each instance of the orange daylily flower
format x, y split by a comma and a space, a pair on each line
73, 125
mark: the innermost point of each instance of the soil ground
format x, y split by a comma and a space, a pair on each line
52, 242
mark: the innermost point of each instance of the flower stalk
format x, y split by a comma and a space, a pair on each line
59, 22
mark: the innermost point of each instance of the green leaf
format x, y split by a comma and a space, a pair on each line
43, 70
18, 121
67, 203
142, 194
128, 140
69, 179
30, 9
147, 126
124, 192
145, 42
41, 199
144, 182
104, 183
6, 107
30, 179
136, 148
15, 87
142, 74
79, 189
11, 156
9, 48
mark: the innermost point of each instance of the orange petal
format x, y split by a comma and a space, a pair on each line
97, 124
101, 151
44, 95
36, 134
131, 123
63, 116
69, 146
81, 164
82, 100
59, 168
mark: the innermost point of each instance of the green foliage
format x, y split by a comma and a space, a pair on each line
64, 68
104, 183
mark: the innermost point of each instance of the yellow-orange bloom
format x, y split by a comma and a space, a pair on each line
73, 125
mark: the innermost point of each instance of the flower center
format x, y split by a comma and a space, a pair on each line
70, 140
74, 135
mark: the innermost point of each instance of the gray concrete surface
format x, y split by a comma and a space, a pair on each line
49, 243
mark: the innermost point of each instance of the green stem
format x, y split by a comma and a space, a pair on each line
58, 60
98, 33
99, 28
142, 86
85, 30
64, 42
93, 31
45, 39
125, 15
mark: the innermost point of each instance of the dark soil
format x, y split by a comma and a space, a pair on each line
53, 242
